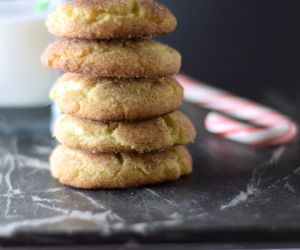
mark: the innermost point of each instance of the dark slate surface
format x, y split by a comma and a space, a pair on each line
236, 193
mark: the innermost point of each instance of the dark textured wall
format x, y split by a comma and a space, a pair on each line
241, 45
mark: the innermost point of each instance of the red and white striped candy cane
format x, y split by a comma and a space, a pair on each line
243, 121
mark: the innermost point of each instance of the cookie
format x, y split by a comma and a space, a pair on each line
115, 58
109, 19
110, 171
145, 136
110, 99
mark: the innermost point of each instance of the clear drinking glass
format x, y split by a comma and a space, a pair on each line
24, 82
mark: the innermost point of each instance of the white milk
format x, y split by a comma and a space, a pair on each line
24, 82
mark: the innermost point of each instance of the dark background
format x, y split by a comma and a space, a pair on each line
246, 46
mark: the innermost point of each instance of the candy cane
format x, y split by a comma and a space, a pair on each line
239, 119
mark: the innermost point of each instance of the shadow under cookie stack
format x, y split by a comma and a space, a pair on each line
120, 127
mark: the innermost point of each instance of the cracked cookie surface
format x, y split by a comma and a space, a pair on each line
110, 99
110, 171
110, 19
114, 58
144, 136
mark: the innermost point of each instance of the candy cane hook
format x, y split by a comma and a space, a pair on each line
239, 119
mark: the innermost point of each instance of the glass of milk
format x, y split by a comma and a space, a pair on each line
24, 82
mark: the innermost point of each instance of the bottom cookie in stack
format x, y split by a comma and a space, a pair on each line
82, 169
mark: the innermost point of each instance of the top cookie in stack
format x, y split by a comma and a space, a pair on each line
119, 129
111, 19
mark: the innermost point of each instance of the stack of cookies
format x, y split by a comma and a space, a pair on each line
120, 127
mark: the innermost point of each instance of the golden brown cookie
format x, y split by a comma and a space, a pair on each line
93, 171
109, 99
145, 136
108, 19
115, 58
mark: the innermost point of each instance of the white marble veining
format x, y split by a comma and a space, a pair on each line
226, 180
253, 188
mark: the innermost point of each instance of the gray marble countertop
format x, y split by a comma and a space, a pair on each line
236, 193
